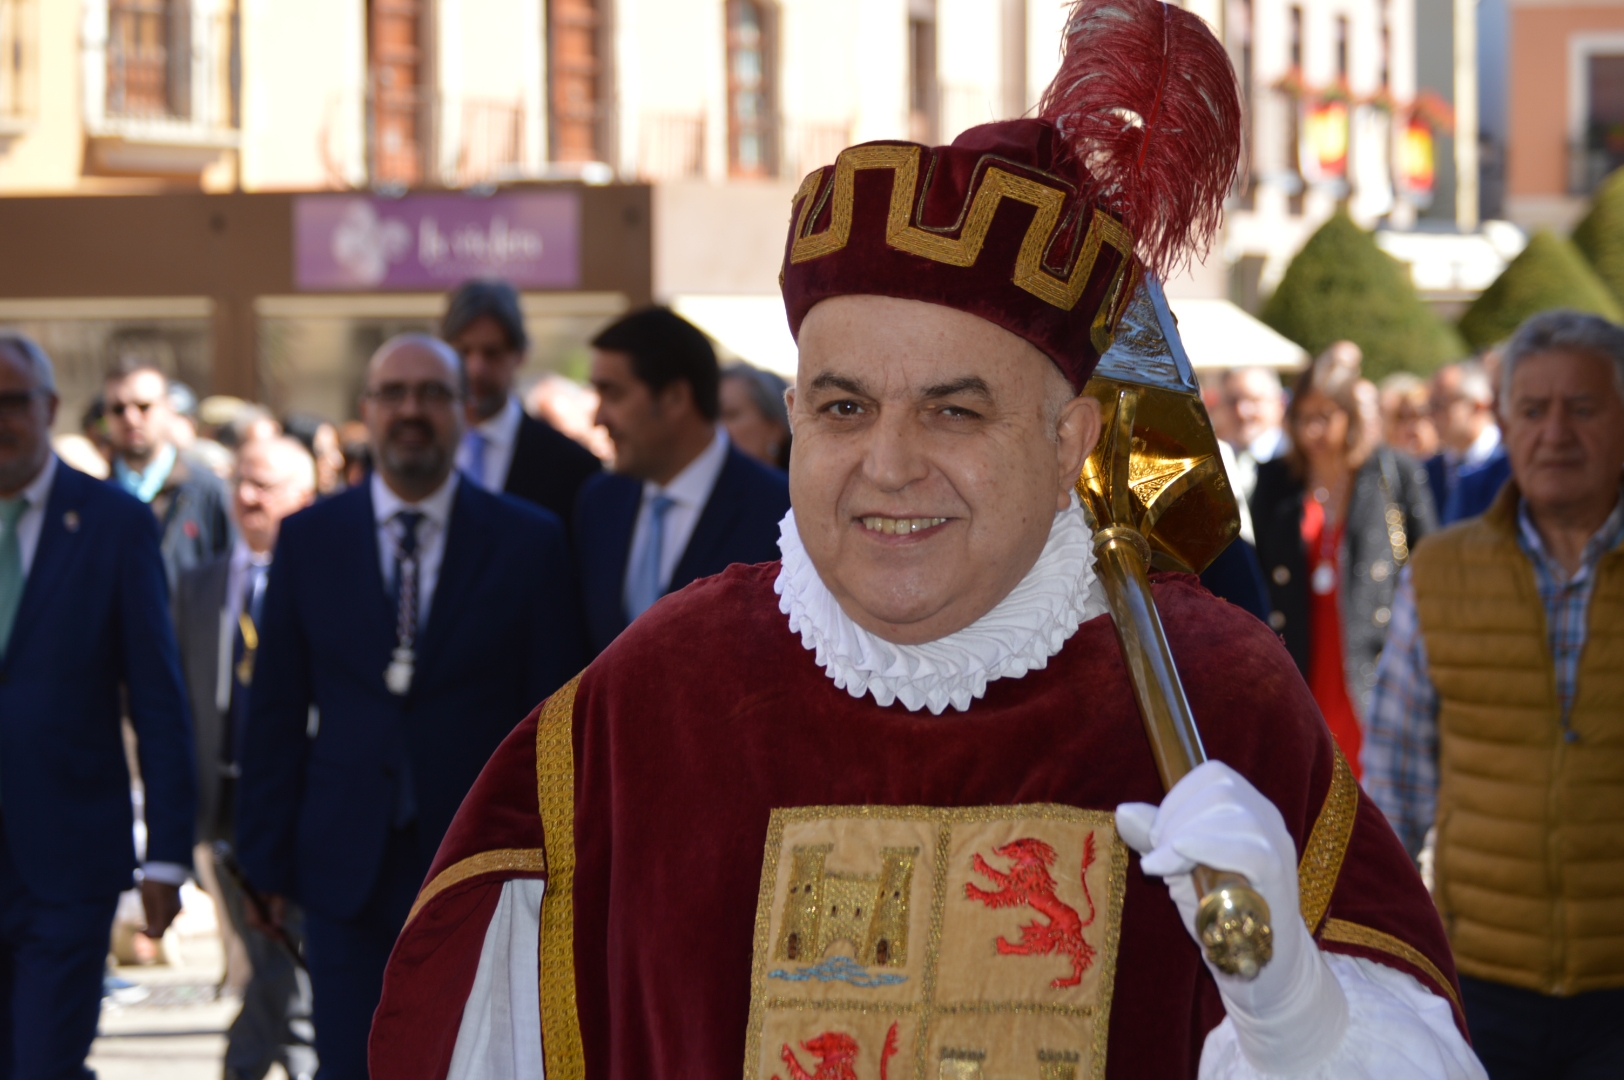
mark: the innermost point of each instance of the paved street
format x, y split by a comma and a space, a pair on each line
170, 1025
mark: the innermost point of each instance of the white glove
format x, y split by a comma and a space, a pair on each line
1293, 1015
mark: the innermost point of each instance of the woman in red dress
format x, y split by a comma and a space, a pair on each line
1336, 519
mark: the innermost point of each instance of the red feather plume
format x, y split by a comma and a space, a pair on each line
1147, 102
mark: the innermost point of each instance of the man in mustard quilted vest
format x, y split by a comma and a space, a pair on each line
1498, 716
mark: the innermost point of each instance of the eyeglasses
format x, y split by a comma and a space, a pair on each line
394, 395
14, 404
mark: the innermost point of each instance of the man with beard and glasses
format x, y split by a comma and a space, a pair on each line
407, 625
505, 449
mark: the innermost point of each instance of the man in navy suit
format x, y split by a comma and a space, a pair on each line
408, 625
84, 621
504, 448
682, 503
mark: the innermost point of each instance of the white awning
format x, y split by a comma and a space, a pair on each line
1218, 334
753, 328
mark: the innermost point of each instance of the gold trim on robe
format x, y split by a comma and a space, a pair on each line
555, 794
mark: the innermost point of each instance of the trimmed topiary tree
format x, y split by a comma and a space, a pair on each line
1550, 273
1599, 235
1342, 286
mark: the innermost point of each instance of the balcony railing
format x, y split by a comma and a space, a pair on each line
810, 146
1588, 166
492, 141
671, 146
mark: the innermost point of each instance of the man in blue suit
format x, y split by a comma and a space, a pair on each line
84, 621
682, 503
408, 625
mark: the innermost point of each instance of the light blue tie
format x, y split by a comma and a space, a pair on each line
473, 449
643, 581
11, 567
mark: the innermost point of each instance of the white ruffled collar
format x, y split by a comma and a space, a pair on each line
1028, 626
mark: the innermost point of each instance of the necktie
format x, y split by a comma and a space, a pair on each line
257, 574
403, 665
643, 580
11, 567
473, 452
406, 576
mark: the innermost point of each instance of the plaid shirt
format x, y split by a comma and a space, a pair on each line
1400, 755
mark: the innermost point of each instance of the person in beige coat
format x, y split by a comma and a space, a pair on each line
1498, 716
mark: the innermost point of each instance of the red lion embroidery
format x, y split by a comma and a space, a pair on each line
835, 1051
1029, 884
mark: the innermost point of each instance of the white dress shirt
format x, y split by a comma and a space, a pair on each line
501, 432
32, 520
436, 511
237, 601
688, 491
1482, 448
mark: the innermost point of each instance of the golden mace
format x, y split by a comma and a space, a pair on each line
1156, 490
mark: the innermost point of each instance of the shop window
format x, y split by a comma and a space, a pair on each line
751, 110
575, 80
149, 58
398, 105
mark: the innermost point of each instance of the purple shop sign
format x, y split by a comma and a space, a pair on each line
432, 242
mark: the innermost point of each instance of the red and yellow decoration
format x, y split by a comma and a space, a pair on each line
966, 942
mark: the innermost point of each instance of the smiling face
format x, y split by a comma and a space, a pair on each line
932, 451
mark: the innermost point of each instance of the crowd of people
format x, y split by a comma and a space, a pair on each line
318, 634
1472, 676
310, 703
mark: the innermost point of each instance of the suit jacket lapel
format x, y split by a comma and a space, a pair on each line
519, 460
57, 545
357, 555
715, 522
467, 539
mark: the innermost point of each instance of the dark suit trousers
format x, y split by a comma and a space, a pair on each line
1525, 1035
52, 956
347, 958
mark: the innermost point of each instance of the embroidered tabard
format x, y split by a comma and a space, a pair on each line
943, 943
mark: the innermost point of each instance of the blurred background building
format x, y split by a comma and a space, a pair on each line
274, 185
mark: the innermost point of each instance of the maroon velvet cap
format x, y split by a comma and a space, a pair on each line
996, 224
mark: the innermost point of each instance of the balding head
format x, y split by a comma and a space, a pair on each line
412, 409
275, 477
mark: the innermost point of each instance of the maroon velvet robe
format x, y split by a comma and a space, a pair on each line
708, 714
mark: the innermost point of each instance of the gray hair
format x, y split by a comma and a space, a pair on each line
33, 355
766, 391
1564, 329
1474, 381
289, 455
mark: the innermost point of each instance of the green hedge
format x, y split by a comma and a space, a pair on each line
1342, 286
1550, 273
1600, 234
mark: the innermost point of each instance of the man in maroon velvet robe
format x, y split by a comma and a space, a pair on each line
886, 807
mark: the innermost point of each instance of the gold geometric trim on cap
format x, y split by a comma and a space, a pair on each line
996, 185
1327, 844
525, 860
555, 793
1347, 933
